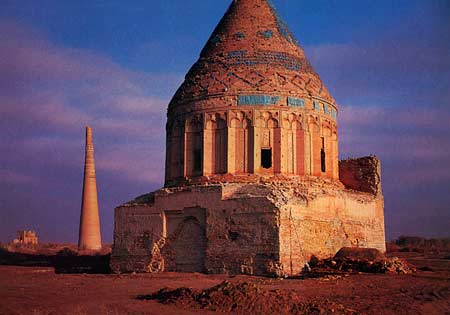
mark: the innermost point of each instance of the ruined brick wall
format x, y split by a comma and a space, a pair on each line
210, 229
136, 229
258, 229
318, 217
26, 237
321, 226
243, 233
361, 174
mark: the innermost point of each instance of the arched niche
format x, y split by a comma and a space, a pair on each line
241, 145
335, 151
185, 250
315, 143
194, 146
268, 139
298, 141
215, 145
175, 149
327, 155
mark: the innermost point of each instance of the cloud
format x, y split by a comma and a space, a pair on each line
388, 72
13, 177
413, 142
394, 97
50, 92
136, 164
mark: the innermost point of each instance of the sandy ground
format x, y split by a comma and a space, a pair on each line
38, 290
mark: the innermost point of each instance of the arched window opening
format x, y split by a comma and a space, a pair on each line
322, 156
266, 158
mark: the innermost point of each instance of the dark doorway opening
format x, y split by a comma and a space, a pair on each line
266, 158
197, 160
322, 156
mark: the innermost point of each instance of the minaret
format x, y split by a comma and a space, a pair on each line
89, 237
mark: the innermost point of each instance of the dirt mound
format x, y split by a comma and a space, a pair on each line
357, 253
245, 298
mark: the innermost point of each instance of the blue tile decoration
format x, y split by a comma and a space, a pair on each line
316, 106
239, 35
258, 100
215, 40
282, 26
334, 113
267, 34
237, 54
297, 102
284, 30
271, 58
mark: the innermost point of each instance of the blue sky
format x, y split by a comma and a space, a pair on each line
115, 66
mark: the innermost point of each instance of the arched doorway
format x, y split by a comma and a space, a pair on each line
189, 246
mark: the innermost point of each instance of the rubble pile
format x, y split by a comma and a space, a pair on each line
349, 260
398, 265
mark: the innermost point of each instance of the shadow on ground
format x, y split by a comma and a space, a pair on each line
64, 261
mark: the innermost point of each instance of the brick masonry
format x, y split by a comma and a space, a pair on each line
362, 174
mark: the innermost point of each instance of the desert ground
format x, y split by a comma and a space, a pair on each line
39, 290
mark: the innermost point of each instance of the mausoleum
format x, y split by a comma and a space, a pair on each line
253, 183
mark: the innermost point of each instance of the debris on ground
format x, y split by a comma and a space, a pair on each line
245, 298
356, 260
397, 265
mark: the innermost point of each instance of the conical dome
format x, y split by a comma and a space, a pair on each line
252, 105
251, 50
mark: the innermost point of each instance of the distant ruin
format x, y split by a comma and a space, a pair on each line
253, 183
26, 238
